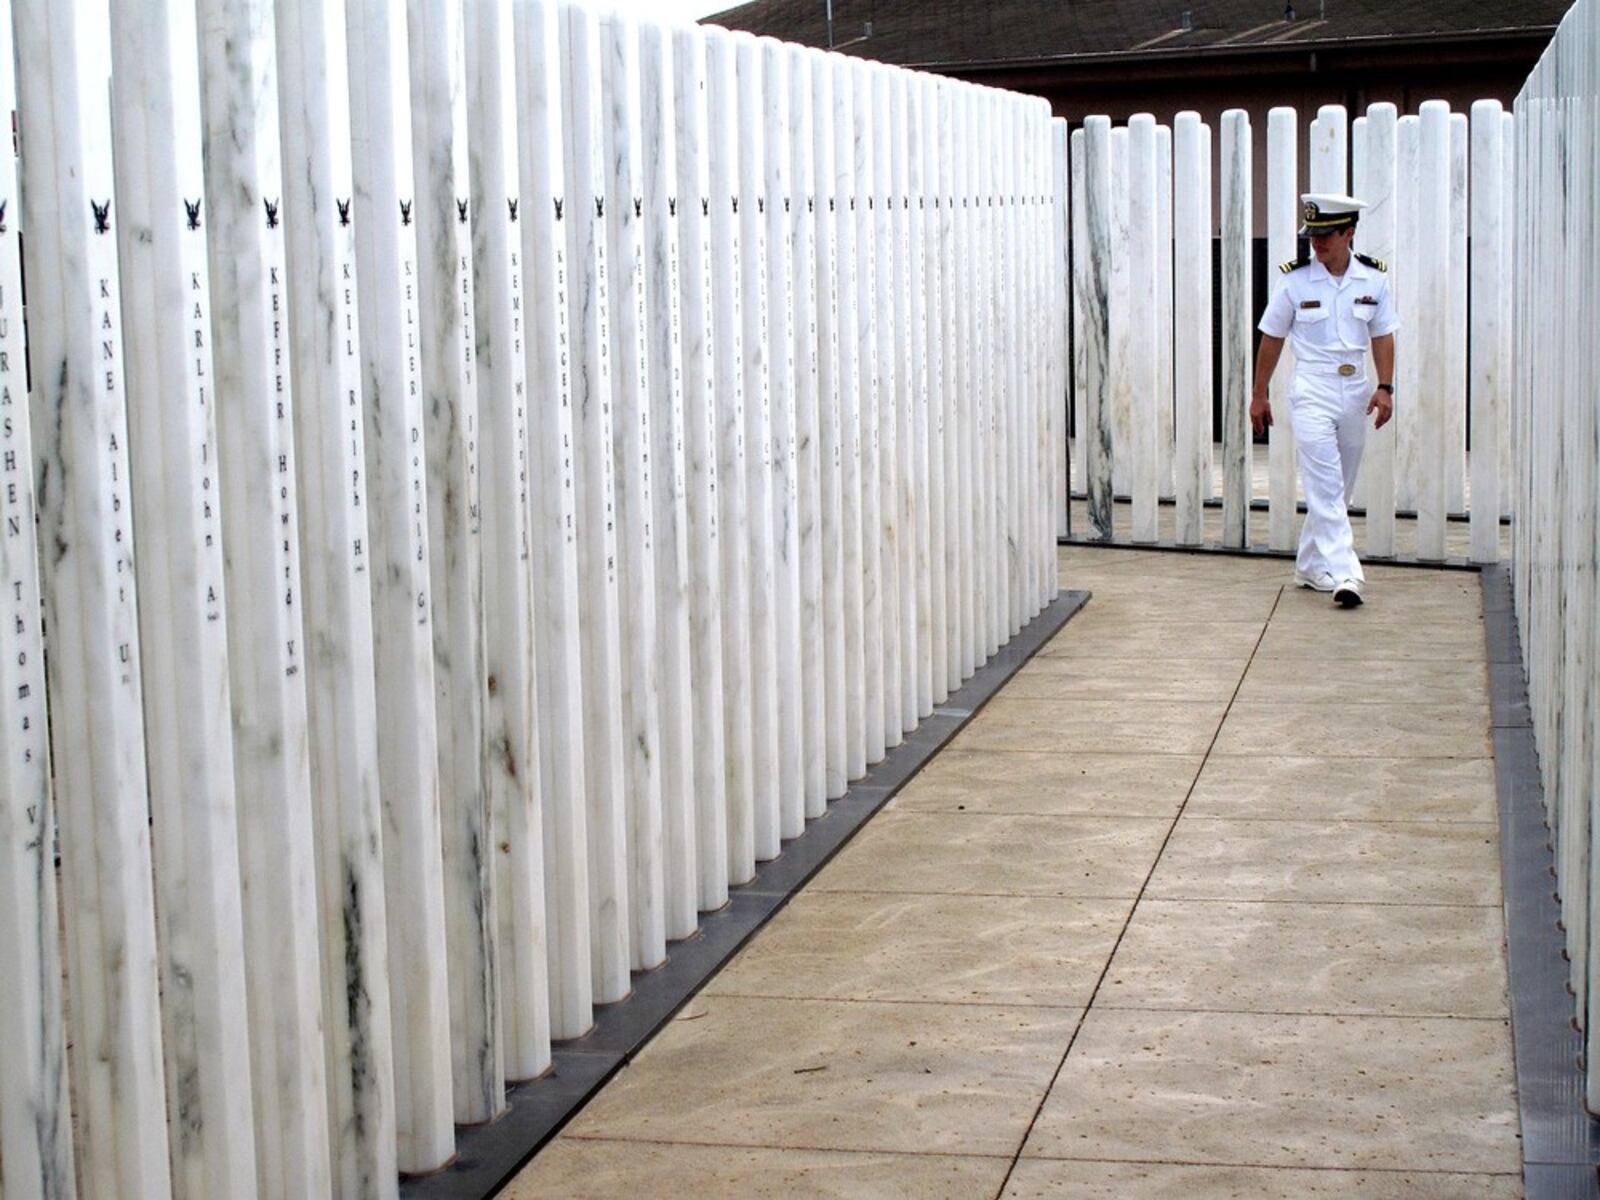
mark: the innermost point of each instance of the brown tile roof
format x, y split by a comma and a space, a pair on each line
950, 32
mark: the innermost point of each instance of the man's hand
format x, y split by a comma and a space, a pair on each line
1260, 414
1381, 403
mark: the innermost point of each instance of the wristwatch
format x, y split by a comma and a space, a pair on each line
1387, 387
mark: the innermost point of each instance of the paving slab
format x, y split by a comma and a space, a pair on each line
1100, 726
1353, 681
1329, 861
1013, 950
1380, 959
1046, 1180
1295, 1091
604, 1169
1050, 783
840, 1075
1135, 677
1379, 730
1327, 788
1232, 640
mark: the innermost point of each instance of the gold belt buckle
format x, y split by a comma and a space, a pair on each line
1347, 369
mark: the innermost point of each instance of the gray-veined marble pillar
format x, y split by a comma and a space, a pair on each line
1403, 282
90, 601
1080, 258
728, 301
800, 208
1140, 312
949, 304
774, 206
35, 1111
1487, 342
700, 430
1455, 460
253, 370
634, 472
402, 598
867, 244
1431, 321
830, 430
1283, 224
1166, 434
451, 436
1063, 463
546, 208
885, 315
1121, 321
183, 642
852, 392
1095, 323
513, 775
1191, 324
589, 341
335, 577
1375, 183
1236, 327
927, 644
670, 436
759, 424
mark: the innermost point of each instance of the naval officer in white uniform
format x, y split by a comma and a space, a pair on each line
1332, 306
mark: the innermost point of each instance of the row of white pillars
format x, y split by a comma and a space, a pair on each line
1143, 283
561, 454
1549, 157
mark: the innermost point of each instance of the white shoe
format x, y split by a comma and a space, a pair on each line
1348, 593
1322, 581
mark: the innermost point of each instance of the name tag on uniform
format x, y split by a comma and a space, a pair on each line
1366, 299
1311, 304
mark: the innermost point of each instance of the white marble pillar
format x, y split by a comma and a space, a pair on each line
1191, 324
921, 499
1166, 433
512, 769
669, 446
1010, 344
335, 578
1455, 461
965, 323
940, 494
1094, 322
1375, 235
991, 343
36, 1153
1431, 321
1143, 423
774, 209
183, 642
90, 601
589, 308
908, 394
886, 314
251, 365
1236, 327
830, 428
1063, 464
1283, 223
759, 423
545, 210
1121, 320
852, 403
447, 375
1080, 261
950, 329
800, 207
699, 391
634, 475
1403, 283
871, 396
402, 598
1509, 413
728, 302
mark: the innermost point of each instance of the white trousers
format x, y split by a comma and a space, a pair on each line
1329, 417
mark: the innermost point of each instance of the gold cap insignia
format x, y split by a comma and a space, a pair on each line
1312, 211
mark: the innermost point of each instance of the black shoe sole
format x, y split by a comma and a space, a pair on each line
1347, 599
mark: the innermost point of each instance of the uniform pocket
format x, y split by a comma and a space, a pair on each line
1363, 312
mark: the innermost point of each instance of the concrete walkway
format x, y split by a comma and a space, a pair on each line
1206, 903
